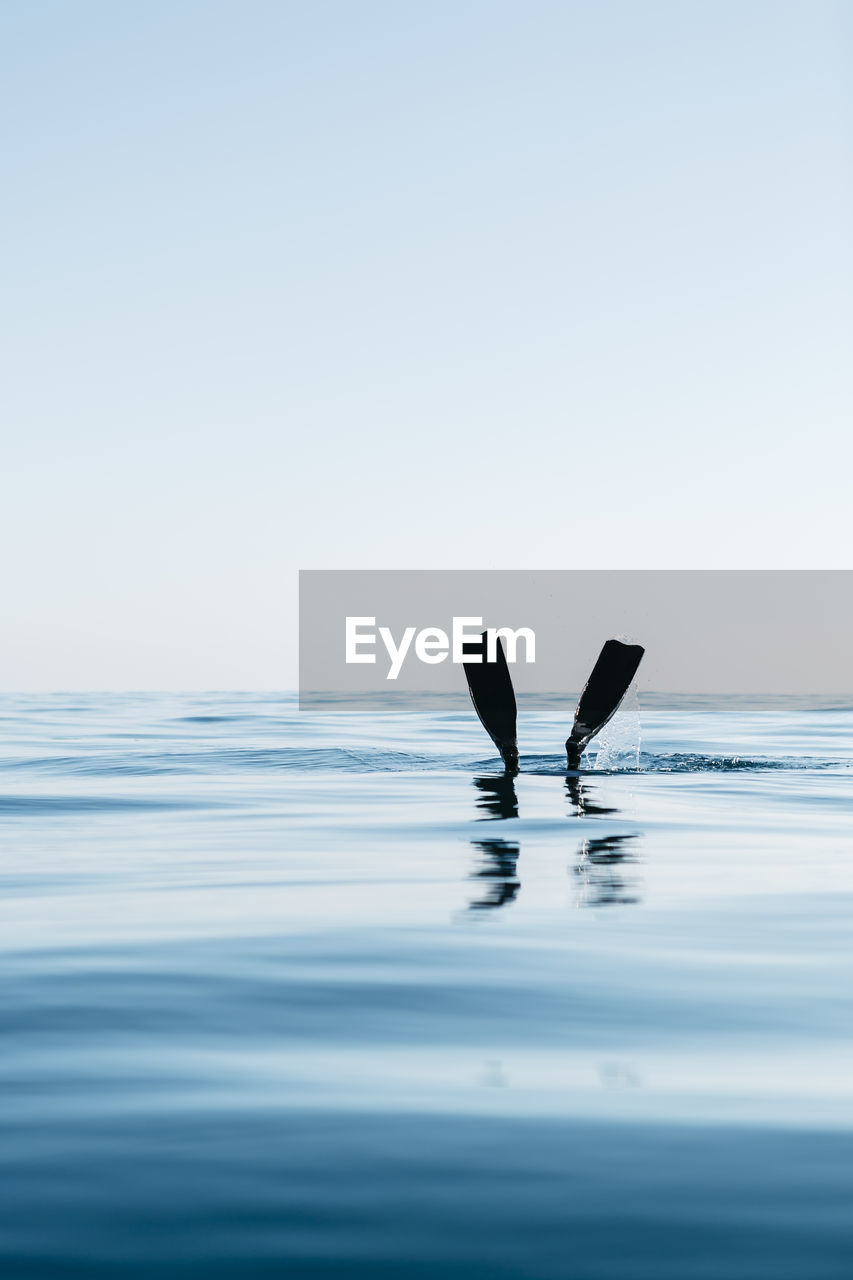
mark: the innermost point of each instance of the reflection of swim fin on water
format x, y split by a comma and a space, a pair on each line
491, 692
497, 797
498, 868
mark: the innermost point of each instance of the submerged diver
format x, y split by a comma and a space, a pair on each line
493, 697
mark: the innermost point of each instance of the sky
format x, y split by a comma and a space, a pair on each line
335, 285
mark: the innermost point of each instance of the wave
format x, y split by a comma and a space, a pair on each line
62, 805
230, 760
688, 762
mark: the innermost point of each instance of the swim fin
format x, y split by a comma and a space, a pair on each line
606, 687
492, 694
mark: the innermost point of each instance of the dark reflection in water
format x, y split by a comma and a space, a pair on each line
601, 870
497, 798
499, 859
601, 859
581, 793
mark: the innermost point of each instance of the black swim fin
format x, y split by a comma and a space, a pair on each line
606, 687
492, 694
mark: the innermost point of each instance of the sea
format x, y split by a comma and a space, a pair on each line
327, 994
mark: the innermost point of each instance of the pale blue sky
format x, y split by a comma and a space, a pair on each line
369, 285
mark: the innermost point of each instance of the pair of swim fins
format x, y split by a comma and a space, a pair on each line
493, 697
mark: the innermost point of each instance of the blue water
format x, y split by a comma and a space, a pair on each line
324, 995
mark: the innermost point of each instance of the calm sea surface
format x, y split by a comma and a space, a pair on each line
325, 995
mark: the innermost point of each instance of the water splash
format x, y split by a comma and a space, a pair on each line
618, 744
